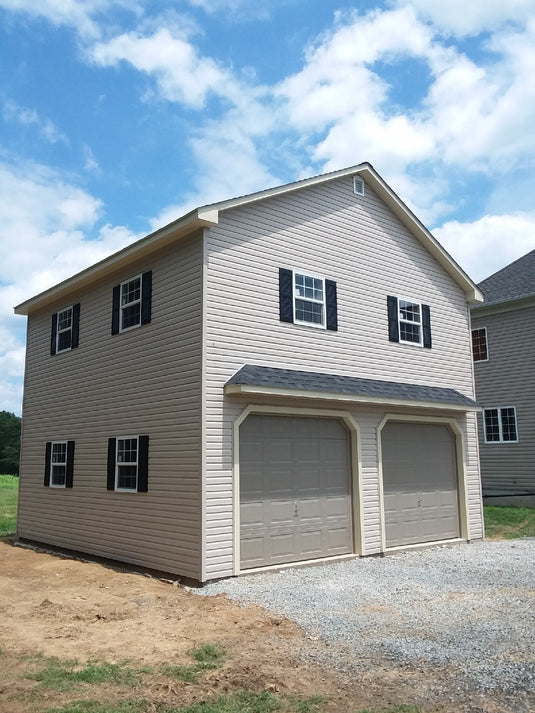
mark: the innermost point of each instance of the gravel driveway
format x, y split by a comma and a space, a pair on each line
463, 616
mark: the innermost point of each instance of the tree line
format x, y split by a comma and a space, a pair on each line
9, 443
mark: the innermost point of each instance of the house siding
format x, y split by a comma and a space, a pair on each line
507, 379
359, 243
143, 381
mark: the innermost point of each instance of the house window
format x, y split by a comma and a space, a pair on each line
307, 299
500, 425
65, 329
59, 462
132, 303
479, 344
128, 463
358, 186
409, 322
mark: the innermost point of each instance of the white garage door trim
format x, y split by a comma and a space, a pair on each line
461, 471
355, 464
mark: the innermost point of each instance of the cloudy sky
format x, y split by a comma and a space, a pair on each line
117, 116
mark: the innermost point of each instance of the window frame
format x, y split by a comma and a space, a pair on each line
53, 463
480, 329
62, 331
499, 410
131, 303
420, 324
323, 302
118, 464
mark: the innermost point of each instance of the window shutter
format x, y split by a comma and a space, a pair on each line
116, 309
70, 464
332, 305
146, 297
75, 334
286, 302
393, 324
48, 452
53, 334
426, 326
112, 445
143, 464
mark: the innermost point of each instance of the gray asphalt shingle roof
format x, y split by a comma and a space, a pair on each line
512, 282
251, 375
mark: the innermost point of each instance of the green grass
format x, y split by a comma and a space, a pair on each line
64, 675
138, 706
9, 493
206, 657
508, 523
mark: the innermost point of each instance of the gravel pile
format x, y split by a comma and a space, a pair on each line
467, 609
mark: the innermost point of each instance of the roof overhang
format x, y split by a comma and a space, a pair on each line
288, 393
188, 224
484, 310
254, 380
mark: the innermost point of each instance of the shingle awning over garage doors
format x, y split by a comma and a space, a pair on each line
269, 381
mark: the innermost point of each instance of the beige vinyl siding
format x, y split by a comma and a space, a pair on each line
508, 379
143, 381
328, 231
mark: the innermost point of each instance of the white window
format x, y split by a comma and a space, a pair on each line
410, 322
309, 300
131, 303
127, 464
480, 348
64, 330
58, 464
500, 425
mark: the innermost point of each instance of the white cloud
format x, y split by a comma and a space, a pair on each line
486, 245
44, 224
462, 18
182, 75
11, 111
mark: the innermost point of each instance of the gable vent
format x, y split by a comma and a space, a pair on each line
358, 186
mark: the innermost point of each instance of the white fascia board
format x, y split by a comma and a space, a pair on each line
186, 225
246, 390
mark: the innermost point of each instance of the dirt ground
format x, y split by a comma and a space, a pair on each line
86, 611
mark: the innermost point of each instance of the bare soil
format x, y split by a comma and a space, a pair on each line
90, 612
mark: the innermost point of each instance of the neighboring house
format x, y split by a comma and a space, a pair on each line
503, 333
276, 378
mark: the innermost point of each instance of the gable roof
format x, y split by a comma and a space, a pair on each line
515, 281
252, 379
208, 215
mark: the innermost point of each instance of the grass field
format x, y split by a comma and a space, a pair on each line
9, 494
508, 523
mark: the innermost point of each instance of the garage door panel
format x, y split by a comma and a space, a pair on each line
305, 489
419, 483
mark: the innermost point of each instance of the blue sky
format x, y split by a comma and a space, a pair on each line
118, 116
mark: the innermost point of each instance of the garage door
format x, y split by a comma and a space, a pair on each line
420, 487
295, 490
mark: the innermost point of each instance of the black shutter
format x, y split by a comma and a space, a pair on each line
393, 323
116, 309
426, 326
143, 464
53, 334
48, 452
75, 334
332, 305
146, 297
111, 463
286, 302
70, 464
